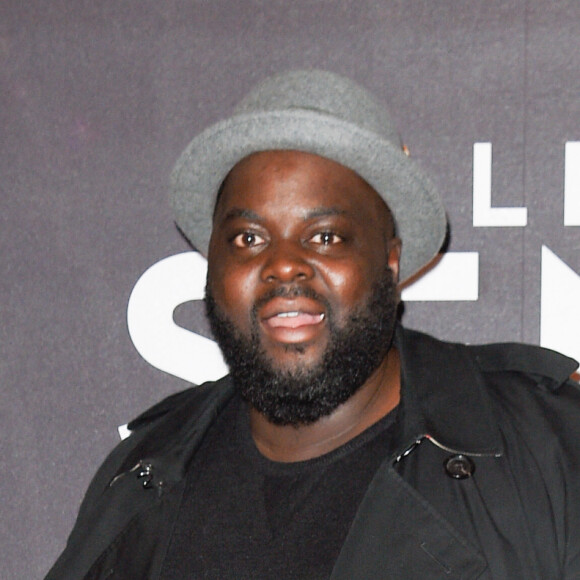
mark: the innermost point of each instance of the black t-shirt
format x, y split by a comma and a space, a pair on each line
244, 516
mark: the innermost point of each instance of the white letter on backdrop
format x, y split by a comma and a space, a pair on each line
455, 277
162, 343
483, 214
560, 306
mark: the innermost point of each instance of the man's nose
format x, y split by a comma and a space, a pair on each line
286, 262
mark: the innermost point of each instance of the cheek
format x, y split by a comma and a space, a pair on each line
351, 281
233, 289
349, 285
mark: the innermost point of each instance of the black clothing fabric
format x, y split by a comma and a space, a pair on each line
507, 415
244, 516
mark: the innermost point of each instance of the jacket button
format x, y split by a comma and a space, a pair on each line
459, 466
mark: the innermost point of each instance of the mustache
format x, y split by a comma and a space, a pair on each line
290, 291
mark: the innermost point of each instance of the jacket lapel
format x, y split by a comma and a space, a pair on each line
396, 533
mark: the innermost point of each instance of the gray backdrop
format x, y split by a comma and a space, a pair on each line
98, 98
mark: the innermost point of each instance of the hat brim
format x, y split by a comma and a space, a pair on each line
413, 200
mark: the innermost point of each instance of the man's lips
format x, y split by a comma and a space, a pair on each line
292, 320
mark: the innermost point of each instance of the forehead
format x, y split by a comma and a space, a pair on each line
297, 180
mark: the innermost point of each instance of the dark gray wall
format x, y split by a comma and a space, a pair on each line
97, 100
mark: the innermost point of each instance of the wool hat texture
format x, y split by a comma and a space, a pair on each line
316, 112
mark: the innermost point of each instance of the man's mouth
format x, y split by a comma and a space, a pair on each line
294, 319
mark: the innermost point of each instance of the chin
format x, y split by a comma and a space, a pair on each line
294, 356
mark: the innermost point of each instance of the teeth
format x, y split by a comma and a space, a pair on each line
294, 314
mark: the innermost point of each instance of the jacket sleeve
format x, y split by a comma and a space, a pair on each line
570, 393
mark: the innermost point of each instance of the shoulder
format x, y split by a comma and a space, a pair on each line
159, 427
163, 430
520, 388
549, 369
189, 400
537, 404
528, 381
177, 416
532, 384
546, 368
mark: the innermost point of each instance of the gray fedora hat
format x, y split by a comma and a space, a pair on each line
316, 112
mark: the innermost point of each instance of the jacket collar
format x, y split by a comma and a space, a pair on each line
180, 423
443, 397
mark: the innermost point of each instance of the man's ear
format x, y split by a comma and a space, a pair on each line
394, 256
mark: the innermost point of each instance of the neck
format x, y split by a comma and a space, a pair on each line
376, 398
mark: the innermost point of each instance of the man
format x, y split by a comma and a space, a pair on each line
341, 445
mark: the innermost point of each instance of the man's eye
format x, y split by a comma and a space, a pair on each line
326, 239
247, 240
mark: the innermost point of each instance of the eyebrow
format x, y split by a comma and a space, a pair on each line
324, 212
239, 212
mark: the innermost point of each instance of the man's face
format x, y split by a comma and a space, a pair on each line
300, 246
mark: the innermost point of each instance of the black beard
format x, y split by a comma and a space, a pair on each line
304, 395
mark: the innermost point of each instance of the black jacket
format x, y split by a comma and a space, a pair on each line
481, 481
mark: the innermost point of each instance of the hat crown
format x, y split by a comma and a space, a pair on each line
323, 92
325, 114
